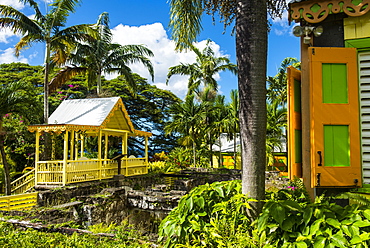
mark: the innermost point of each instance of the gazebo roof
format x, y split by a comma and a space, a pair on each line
91, 115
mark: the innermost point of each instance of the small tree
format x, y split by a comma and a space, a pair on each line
13, 98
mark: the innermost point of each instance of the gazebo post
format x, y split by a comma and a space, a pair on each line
105, 147
99, 152
82, 144
146, 149
65, 158
72, 145
146, 153
37, 154
125, 152
76, 145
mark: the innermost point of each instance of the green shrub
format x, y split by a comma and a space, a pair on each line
207, 216
319, 224
216, 215
13, 237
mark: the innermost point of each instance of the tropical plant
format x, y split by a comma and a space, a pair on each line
187, 120
232, 119
100, 55
124, 237
197, 219
320, 224
148, 108
13, 99
275, 130
201, 72
48, 28
277, 85
250, 18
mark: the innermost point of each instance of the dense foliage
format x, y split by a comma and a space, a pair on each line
13, 237
147, 108
216, 215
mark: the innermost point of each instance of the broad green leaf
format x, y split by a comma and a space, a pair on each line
200, 202
195, 225
190, 203
361, 223
306, 230
339, 240
319, 242
354, 230
355, 240
301, 244
301, 238
366, 213
333, 222
365, 236
288, 223
345, 229
292, 205
346, 222
278, 213
307, 214
220, 191
315, 227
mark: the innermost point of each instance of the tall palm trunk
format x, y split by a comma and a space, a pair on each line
5, 162
251, 49
47, 150
46, 83
98, 82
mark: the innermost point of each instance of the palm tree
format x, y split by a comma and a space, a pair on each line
202, 71
99, 56
277, 85
276, 125
13, 98
232, 120
187, 121
251, 50
49, 29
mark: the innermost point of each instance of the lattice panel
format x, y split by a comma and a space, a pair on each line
317, 11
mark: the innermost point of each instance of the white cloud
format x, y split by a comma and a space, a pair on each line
155, 38
6, 35
14, 3
281, 25
7, 56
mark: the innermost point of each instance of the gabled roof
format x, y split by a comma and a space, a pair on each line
89, 112
91, 115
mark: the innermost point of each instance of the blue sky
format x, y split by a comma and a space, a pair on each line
146, 22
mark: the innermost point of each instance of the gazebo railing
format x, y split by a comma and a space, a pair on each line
75, 171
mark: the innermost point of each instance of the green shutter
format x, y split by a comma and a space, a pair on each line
336, 145
334, 83
298, 145
297, 96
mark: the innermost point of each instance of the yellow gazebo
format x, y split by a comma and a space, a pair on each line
80, 118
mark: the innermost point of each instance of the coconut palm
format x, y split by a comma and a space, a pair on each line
250, 18
99, 56
277, 85
187, 120
49, 29
13, 98
201, 72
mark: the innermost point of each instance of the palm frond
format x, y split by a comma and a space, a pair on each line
64, 76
